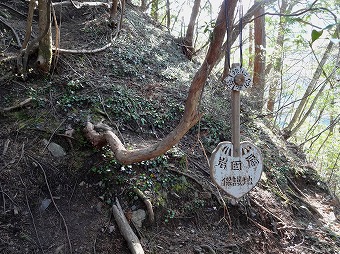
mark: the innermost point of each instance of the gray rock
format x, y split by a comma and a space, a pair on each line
138, 217
55, 149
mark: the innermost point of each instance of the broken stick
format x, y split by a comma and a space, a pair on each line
125, 229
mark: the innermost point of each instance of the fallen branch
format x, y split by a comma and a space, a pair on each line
4, 151
309, 206
219, 199
20, 105
263, 228
79, 5
147, 203
82, 51
127, 232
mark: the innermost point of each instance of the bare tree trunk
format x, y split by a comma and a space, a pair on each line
273, 86
235, 30
304, 117
168, 17
113, 12
44, 59
299, 110
188, 42
257, 89
190, 116
251, 43
317, 96
143, 5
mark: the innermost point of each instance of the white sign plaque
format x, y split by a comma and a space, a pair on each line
236, 175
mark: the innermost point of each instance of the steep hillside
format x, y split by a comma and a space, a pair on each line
58, 199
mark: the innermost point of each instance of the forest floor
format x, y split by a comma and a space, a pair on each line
62, 203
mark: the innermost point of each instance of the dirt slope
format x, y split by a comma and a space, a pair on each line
138, 86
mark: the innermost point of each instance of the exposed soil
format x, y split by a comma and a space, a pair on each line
138, 87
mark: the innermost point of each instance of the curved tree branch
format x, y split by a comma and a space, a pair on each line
191, 112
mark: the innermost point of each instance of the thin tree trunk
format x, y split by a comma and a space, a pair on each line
154, 9
188, 42
287, 130
44, 59
273, 86
257, 89
143, 5
168, 17
235, 30
317, 120
303, 119
113, 13
251, 43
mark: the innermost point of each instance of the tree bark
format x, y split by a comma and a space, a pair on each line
315, 99
44, 59
127, 232
235, 30
299, 110
168, 17
143, 5
188, 42
113, 13
273, 86
251, 43
191, 113
257, 89
154, 9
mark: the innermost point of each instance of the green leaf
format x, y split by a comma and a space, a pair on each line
316, 35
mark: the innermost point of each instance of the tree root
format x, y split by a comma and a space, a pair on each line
266, 210
125, 229
148, 204
208, 248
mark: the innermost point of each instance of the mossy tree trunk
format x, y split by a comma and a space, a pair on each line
44, 59
154, 9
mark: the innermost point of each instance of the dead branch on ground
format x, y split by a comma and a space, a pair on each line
19, 105
125, 229
147, 203
79, 5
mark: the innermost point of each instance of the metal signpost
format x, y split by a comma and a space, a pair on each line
236, 166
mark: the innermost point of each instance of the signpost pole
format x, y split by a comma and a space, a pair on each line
235, 122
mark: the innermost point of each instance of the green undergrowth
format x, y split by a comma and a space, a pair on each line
154, 178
